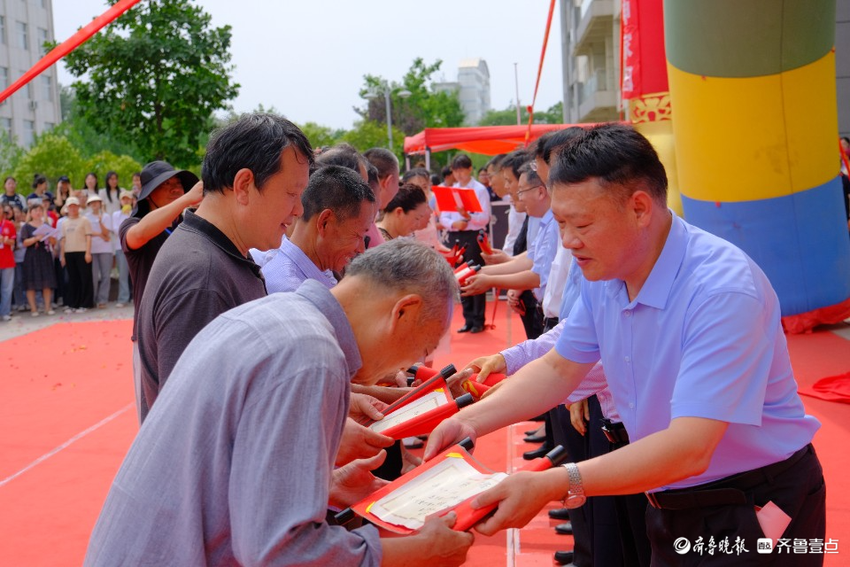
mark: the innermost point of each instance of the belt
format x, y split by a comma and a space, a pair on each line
615, 432
726, 491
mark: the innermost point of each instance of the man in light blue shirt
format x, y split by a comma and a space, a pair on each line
688, 330
530, 270
339, 208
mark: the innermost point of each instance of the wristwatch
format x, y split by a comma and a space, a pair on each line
575, 495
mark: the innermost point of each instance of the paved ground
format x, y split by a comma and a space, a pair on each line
22, 323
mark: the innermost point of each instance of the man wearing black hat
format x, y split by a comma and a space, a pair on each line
165, 193
254, 172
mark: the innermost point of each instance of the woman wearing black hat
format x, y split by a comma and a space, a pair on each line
165, 194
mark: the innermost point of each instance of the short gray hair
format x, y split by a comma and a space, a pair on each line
408, 266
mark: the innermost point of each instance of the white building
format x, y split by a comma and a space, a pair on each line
473, 86
24, 27
590, 43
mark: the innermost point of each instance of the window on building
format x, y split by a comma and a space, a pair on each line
47, 87
23, 36
42, 39
6, 128
49, 126
29, 89
3, 30
4, 77
29, 132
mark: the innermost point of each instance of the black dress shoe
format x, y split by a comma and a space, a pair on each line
534, 439
465, 329
476, 329
564, 529
563, 557
537, 453
559, 514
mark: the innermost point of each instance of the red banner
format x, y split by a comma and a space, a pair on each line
644, 63
69, 45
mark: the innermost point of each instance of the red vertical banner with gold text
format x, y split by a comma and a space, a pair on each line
644, 82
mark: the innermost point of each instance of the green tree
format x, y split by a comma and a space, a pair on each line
10, 155
154, 78
106, 161
370, 134
424, 107
85, 137
320, 135
507, 117
50, 155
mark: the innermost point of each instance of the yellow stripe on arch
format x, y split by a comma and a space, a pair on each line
755, 138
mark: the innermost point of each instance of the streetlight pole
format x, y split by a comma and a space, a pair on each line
389, 120
516, 84
388, 91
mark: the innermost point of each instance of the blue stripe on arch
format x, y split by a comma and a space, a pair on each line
800, 241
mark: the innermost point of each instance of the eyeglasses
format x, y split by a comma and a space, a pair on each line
521, 191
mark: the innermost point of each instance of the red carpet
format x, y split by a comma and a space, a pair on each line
67, 419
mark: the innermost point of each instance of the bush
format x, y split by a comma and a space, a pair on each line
106, 161
51, 156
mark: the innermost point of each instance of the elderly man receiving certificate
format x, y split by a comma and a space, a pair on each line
235, 462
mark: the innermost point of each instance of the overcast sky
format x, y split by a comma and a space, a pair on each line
308, 58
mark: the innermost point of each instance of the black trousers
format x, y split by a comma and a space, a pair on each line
578, 449
609, 531
80, 290
474, 306
799, 491
532, 320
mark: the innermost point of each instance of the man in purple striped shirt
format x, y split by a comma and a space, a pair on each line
339, 208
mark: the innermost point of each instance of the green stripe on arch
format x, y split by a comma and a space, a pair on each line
747, 38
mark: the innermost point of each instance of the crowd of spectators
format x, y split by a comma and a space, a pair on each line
60, 249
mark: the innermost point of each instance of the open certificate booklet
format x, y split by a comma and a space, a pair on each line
413, 409
47, 231
437, 488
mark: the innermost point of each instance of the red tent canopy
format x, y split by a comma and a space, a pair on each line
488, 140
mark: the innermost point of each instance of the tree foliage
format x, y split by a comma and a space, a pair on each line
154, 78
423, 108
507, 117
10, 155
54, 155
372, 134
88, 140
106, 161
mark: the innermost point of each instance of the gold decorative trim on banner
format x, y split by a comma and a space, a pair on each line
653, 107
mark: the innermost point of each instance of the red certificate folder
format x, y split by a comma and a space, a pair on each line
425, 422
432, 380
453, 198
484, 242
477, 389
398, 490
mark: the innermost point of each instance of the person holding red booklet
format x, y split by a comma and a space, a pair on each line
462, 227
235, 463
